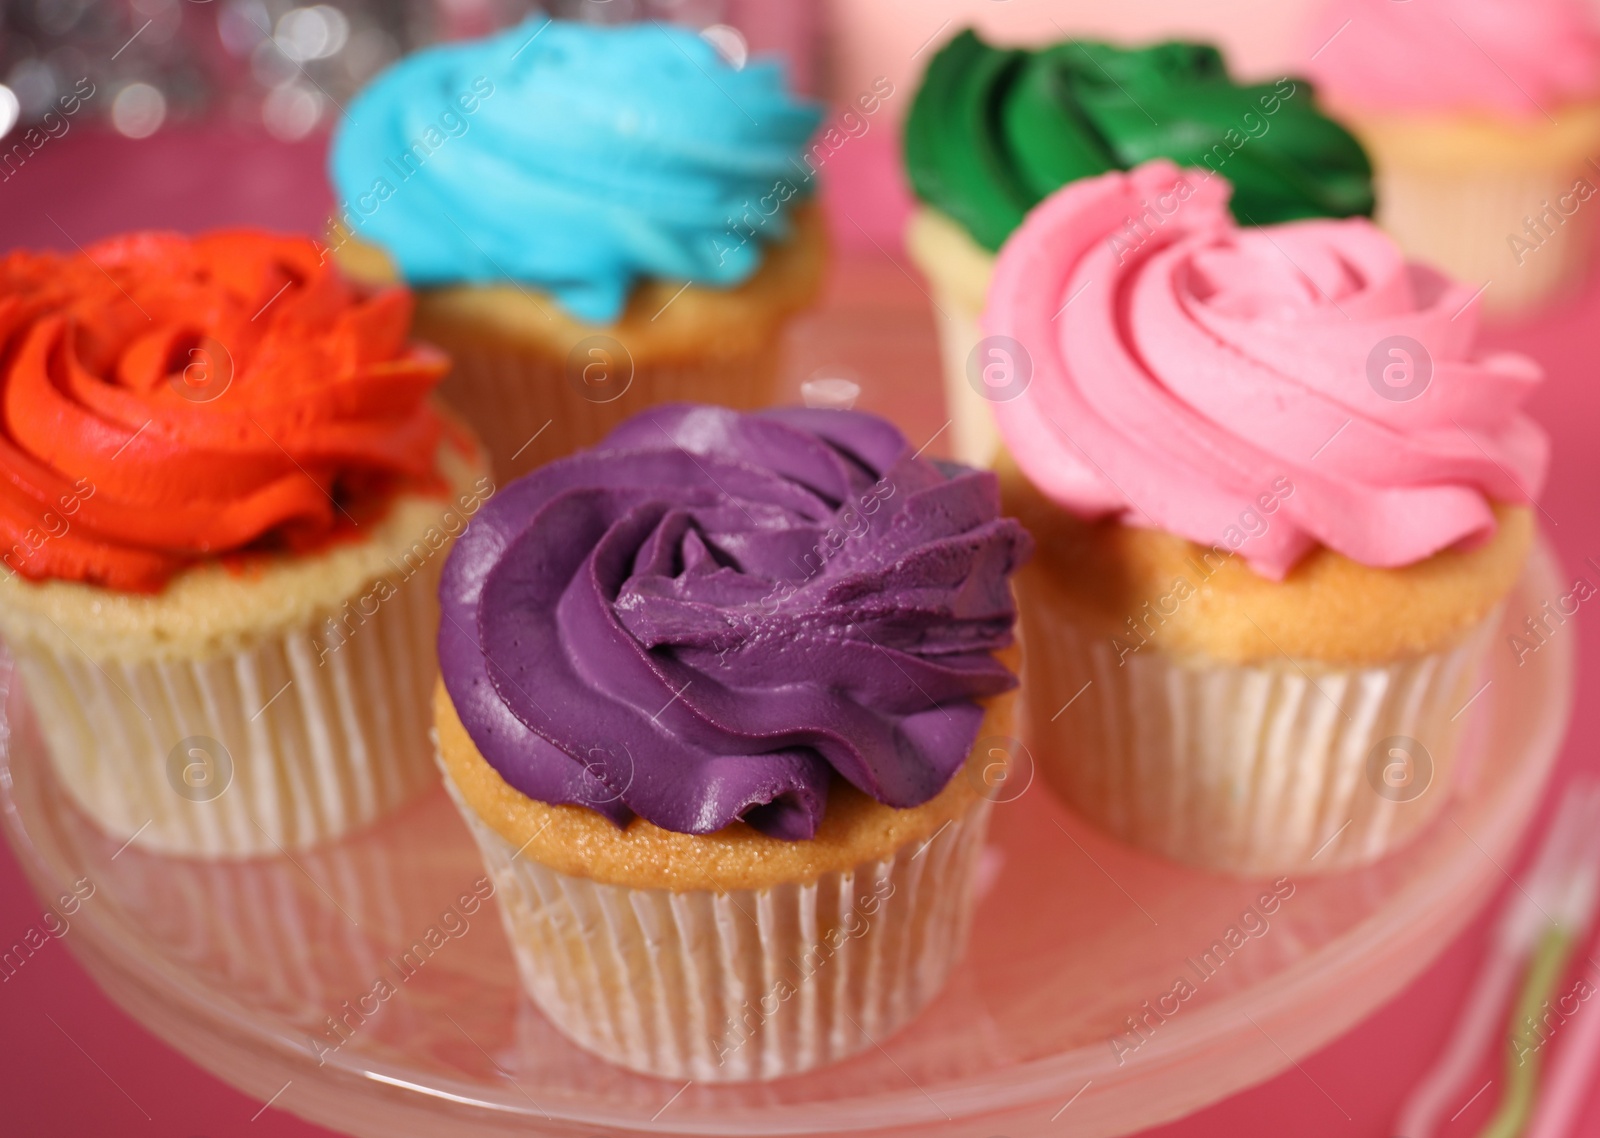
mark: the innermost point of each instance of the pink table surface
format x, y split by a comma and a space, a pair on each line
71, 1063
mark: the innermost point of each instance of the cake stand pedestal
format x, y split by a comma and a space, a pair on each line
361, 986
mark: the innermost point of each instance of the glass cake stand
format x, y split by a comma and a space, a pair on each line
245, 967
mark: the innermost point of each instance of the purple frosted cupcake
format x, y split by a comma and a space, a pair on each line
723, 703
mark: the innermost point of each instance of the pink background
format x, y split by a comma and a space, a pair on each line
72, 1064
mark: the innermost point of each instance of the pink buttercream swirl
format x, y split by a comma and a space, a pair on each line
1183, 369
1524, 60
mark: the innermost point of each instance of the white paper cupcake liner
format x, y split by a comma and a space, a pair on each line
266, 749
974, 434
745, 984
527, 411
1463, 223
1269, 768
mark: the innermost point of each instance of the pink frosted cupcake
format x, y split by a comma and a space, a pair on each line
1278, 500
1480, 118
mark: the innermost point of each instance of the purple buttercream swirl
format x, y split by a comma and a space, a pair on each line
709, 614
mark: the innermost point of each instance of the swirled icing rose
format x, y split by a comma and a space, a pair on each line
711, 614
993, 131
574, 157
1523, 61
168, 399
1183, 367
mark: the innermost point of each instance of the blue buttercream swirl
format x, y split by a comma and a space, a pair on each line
573, 157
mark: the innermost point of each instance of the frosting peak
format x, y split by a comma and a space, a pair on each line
1194, 376
993, 131
709, 615
1517, 60
574, 157
168, 398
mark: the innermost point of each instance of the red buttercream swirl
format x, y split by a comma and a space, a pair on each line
165, 399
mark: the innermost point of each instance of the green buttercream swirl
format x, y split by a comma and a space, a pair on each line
993, 131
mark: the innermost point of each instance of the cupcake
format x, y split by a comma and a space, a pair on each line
225, 502
708, 695
993, 131
1481, 119
596, 219
1279, 501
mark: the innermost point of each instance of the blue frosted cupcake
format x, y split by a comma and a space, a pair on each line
595, 219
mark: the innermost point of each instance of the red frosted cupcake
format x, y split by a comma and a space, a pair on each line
224, 492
